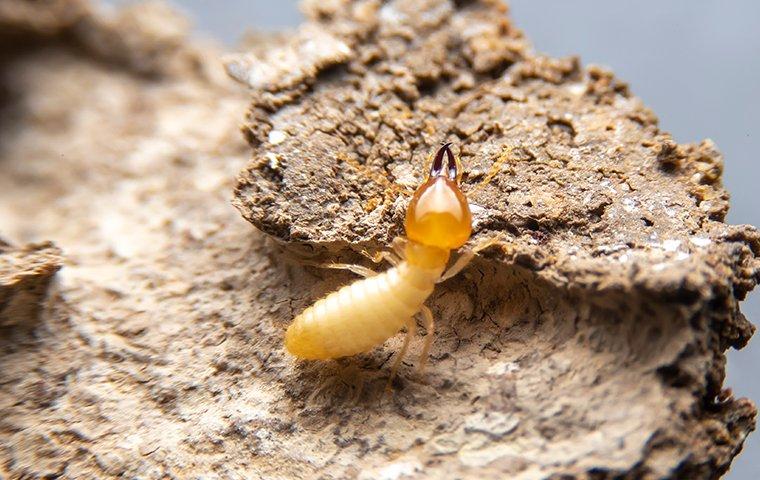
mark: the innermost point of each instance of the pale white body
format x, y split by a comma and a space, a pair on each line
362, 315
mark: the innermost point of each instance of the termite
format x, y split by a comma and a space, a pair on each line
364, 314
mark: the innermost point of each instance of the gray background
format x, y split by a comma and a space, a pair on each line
695, 63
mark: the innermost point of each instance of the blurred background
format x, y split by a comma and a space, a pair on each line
696, 64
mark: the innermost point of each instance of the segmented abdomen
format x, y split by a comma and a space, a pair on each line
361, 315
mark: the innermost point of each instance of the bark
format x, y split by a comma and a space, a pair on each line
25, 275
590, 343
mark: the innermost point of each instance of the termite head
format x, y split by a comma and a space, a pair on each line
438, 215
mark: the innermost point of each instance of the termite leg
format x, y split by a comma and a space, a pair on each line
357, 269
458, 266
394, 258
326, 385
399, 247
427, 318
466, 258
411, 330
380, 256
359, 390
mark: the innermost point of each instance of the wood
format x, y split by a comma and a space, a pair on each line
590, 344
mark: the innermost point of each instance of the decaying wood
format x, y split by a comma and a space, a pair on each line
25, 276
590, 344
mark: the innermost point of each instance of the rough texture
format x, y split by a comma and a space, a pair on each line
612, 234
25, 275
148, 38
591, 345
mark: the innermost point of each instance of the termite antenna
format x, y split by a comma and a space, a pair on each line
437, 169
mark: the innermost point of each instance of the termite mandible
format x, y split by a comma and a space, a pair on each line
364, 314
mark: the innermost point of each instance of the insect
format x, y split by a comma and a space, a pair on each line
364, 314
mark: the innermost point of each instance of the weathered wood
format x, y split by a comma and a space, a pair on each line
590, 345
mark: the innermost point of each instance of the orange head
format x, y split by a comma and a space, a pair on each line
438, 215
